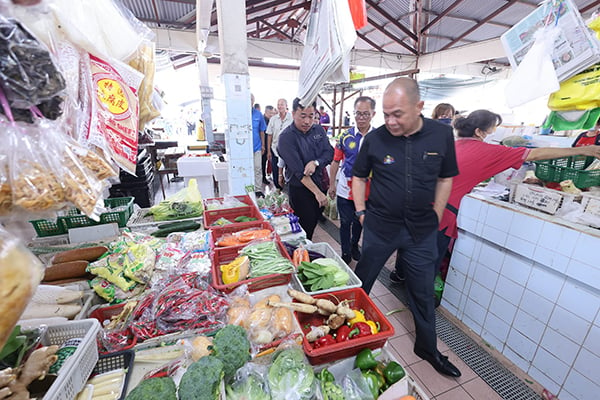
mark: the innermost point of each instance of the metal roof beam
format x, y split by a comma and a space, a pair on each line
440, 16
370, 42
380, 28
483, 21
392, 20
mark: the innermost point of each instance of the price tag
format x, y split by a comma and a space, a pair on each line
545, 200
593, 206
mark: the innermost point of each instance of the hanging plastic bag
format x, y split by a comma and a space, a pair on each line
20, 274
187, 203
580, 92
535, 76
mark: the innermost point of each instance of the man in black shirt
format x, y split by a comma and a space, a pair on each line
411, 162
305, 149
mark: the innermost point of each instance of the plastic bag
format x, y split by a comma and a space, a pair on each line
290, 375
250, 381
187, 203
143, 61
355, 386
20, 274
536, 71
331, 209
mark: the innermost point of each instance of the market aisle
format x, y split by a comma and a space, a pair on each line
438, 387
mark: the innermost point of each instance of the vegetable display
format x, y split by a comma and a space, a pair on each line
154, 389
289, 372
322, 273
231, 346
202, 379
265, 259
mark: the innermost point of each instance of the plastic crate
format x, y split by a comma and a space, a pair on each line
110, 362
560, 169
359, 300
77, 368
326, 250
227, 254
231, 214
48, 227
103, 314
213, 214
220, 231
120, 217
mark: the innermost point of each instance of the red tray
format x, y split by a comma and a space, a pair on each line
358, 300
105, 313
222, 255
215, 214
230, 214
220, 231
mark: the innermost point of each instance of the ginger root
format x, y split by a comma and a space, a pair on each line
36, 367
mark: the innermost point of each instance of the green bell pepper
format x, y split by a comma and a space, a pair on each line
365, 360
393, 372
374, 382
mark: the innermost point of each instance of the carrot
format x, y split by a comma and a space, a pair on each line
305, 256
228, 240
250, 235
71, 269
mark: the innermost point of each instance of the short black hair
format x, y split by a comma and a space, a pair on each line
296, 105
367, 99
269, 108
482, 119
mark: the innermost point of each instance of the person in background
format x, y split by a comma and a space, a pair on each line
346, 118
347, 149
258, 142
276, 125
587, 138
410, 161
269, 112
305, 149
443, 112
324, 118
478, 161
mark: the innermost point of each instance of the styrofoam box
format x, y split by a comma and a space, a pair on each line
405, 386
220, 171
194, 166
328, 252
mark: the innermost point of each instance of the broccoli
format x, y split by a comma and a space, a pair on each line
202, 380
154, 389
231, 346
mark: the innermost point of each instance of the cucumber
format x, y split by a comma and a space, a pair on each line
179, 227
177, 224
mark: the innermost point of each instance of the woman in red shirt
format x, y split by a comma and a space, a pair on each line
588, 138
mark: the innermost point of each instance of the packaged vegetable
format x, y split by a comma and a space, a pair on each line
249, 383
290, 376
187, 203
139, 263
111, 269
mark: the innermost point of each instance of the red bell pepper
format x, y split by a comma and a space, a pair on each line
324, 341
360, 329
342, 333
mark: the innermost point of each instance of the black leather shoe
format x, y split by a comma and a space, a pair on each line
347, 258
439, 362
396, 278
355, 252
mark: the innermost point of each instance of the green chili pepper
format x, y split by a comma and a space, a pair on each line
393, 372
365, 360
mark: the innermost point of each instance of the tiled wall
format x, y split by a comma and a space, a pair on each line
530, 287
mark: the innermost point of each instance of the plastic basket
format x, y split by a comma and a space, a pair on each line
48, 227
560, 169
326, 250
120, 217
213, 214
359, 300
110, 362
220, 231
228, 254
78, 367
103, 314
231, 214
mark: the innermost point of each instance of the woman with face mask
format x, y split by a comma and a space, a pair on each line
444, 113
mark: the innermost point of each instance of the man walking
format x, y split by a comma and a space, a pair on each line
347, 149
410, 161
277, 124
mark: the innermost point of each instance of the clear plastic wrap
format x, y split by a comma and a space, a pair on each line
249, 382
143, 61
20, 274
290, 375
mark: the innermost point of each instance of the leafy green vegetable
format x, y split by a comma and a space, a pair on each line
252, 388
154, 389
202, 379
231, 345
289, 373
330, 389
322, 273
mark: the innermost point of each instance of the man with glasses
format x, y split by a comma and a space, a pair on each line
347, 149
305, 149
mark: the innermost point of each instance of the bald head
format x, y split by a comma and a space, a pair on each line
407, 86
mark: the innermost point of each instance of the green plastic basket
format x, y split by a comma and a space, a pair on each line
48, 227
120, 217
560, 169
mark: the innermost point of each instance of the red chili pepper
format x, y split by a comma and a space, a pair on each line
360, 329
342, 333
324, 341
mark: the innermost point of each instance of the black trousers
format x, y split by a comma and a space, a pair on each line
306, 207
263, 165
275, 169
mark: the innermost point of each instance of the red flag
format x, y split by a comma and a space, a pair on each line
358, 9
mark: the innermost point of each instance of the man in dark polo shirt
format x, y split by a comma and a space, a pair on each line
305, 149
411, 162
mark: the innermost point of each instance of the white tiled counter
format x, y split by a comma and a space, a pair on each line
529, 284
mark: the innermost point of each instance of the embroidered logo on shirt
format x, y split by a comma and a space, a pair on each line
387, 160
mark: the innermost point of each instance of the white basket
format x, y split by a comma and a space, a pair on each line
328, 252
77, 368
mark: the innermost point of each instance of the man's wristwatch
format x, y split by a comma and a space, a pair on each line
360, 213
317, 163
